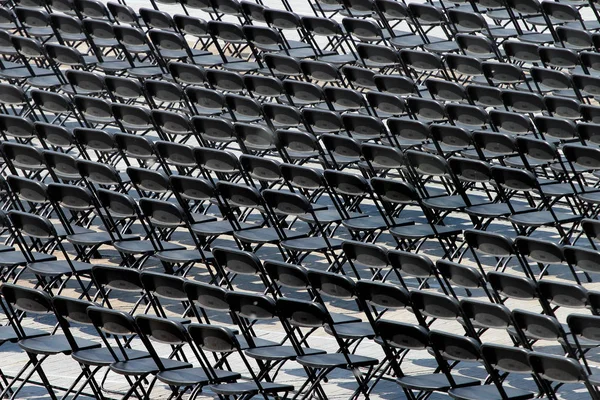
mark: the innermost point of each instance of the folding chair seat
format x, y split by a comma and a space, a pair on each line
381, 159
218, 339
460, 348
581, 326
395, 195
551, 81
264, 308
298, 147
143, 62
590, 113
135, 149
49, 103
11, 261
8, 20
124, 90
428, 168
590, 229
118, 323
308, 314
209, 297
432, 306
187, 74
587, 132
558, 294
62, 167
37, 345
418, 266
562, 369
149, 183
485, 316
165, 288
396, 336
68, 56
254, 138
